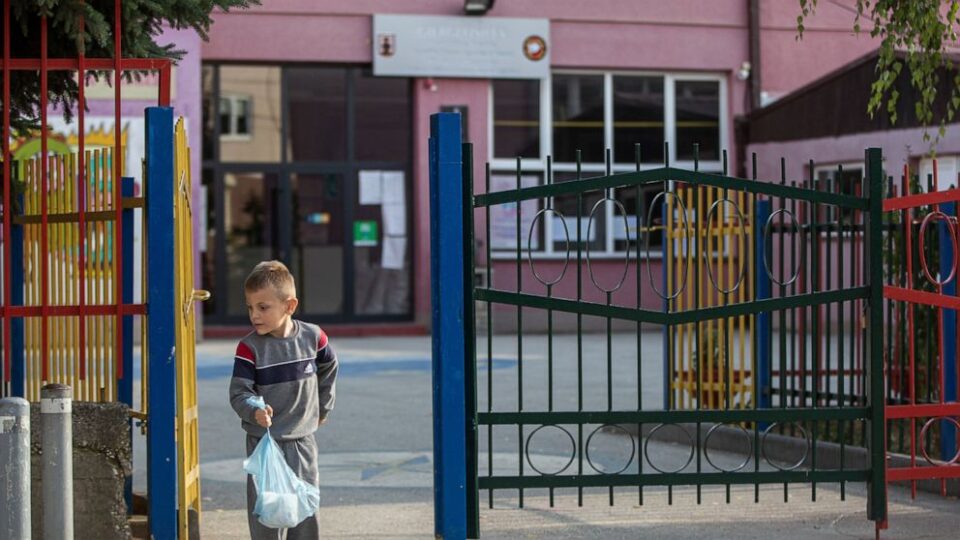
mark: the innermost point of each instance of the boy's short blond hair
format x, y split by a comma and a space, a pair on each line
271, 274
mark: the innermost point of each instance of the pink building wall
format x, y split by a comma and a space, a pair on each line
676, 36
900, 147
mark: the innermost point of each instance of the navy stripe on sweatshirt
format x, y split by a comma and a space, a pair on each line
244, 362
287, 371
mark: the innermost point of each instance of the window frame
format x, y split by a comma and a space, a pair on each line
831, 168
500, 165
234, 101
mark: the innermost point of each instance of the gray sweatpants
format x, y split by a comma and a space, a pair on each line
301, 456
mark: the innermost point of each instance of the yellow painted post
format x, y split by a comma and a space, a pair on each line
690, 297
675, 237
668, 265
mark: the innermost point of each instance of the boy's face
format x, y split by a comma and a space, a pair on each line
269, 312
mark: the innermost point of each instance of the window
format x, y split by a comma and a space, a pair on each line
698, 119
248, 113
235, 116
316, 114
592, 112
209, 118
638, 118
846, 178
578, 117
382, 117
516, 118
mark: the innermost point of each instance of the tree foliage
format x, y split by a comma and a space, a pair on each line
142, 21
918, 32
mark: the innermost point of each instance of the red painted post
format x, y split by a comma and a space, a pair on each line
82, 201
907, 230
44, 191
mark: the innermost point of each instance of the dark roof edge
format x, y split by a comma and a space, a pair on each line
816, 83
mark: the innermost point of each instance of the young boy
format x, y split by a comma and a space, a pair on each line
292, 365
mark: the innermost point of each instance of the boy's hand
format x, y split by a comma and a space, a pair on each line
322, 421
263, 417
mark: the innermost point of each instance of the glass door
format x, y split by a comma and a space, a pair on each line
251, 232
317, 255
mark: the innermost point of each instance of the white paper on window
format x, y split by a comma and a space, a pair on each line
371, 187
503, 217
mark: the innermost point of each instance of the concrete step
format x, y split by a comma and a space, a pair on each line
139, 527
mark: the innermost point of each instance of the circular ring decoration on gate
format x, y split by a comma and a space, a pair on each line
743, 235
633, 448
573, 450
767, 234
803, 458
566, 232
706, 448
626, 258
923, 435
923, 252
646, 449
686, 226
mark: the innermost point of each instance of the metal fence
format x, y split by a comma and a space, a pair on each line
577, 389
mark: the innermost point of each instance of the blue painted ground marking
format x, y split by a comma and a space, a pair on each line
209, 370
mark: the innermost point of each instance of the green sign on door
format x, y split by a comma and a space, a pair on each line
365, 233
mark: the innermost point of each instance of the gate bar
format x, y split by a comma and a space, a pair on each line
82, 202
43, 187
876, 495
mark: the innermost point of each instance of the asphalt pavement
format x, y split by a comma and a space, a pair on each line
376, 453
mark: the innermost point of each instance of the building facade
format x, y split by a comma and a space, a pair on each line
312, 156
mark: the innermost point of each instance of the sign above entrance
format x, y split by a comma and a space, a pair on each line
475, 47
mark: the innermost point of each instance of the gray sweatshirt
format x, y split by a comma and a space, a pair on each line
296, 376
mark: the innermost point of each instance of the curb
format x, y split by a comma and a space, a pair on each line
827, 454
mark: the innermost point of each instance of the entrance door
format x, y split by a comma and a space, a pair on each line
287, 149
317, 255
251, 230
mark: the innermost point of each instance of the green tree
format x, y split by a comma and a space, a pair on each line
923, 31
142, 22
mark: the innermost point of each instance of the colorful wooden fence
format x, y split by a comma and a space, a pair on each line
717, 352
79, 349
188, 447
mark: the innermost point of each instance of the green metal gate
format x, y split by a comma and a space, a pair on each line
511, 420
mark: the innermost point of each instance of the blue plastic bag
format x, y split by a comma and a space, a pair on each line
283, 499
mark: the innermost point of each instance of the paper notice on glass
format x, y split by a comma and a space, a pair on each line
394, 219
393, 187
503, 217
371, 187
394, 249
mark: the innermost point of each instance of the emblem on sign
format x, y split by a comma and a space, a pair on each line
534, 48
386, 44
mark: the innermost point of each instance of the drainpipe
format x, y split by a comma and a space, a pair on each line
753, 11
752, 96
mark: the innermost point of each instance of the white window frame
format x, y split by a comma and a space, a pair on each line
832, 168
538, 165
234, 100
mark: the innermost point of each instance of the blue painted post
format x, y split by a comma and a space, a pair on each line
161, 434
948, 446
447, 297
18, 364
764, 327
125, 386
